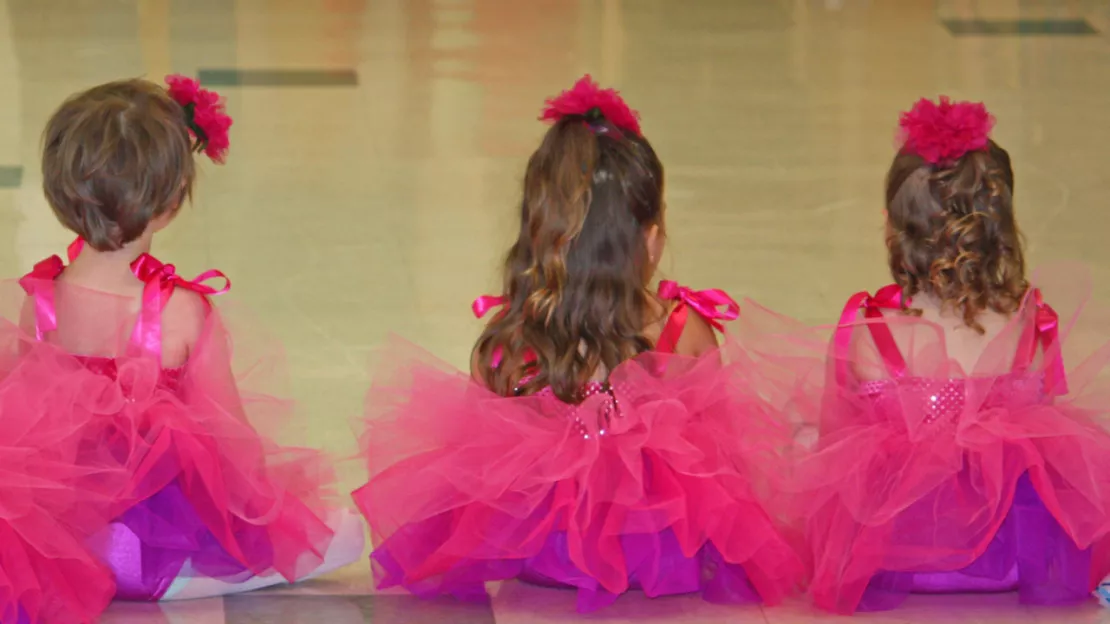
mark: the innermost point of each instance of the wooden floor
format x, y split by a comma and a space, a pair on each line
379, 146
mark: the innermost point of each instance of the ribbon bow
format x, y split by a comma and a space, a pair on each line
151, 270
47, 269
886, 298
482, 305
707, 303
161, 280
1048, 332
38, 285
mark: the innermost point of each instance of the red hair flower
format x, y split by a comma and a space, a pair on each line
205, 114
941, 133
584, 97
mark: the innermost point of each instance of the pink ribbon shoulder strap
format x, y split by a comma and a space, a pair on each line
713, 305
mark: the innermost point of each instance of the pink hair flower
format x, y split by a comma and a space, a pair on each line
586, 96
942, 132
204, 111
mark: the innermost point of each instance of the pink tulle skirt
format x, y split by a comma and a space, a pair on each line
144, 474
937, 476
57, 490
653, 487
211, 494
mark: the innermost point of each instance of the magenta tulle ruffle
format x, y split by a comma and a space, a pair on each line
656, 491
1030, 554
149, 546
655, 565
209, 489
47, 574
56, 492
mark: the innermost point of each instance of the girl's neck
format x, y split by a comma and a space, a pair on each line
106, 269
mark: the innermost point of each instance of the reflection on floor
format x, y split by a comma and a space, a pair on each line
514, 603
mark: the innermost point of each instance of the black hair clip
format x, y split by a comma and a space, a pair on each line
201, 142
595, 121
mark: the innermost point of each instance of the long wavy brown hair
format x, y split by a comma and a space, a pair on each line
952, 232
576, 278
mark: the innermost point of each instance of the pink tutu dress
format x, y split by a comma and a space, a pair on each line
56, 492
647, 483
929, 478
189, 485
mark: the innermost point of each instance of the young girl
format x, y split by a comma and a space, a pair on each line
956, 453
131, 364
595, 444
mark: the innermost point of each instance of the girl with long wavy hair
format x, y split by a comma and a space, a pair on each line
597, 443
956, 451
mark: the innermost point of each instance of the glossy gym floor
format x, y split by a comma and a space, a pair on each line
379, 145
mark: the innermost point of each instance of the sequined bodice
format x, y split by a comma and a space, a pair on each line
598, 413
945, 400
904, 400
588, 422
168, 378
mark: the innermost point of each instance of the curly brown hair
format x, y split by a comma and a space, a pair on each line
115, 157
952, 232
576, 278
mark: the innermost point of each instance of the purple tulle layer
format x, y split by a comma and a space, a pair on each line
655, 563
1031, 554
163, 538
656, 566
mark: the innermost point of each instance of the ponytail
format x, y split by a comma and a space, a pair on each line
556, 200
575, 279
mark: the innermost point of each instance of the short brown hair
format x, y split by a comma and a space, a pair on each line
953, 233
114, 158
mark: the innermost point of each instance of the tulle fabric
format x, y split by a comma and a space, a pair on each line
655, 490
206, 490
56, 489
213, 490
993, 475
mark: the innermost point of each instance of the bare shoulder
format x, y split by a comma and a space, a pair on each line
187, 309
183, 321
698, 337
862, 356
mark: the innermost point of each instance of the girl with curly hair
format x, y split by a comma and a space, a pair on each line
956, 451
